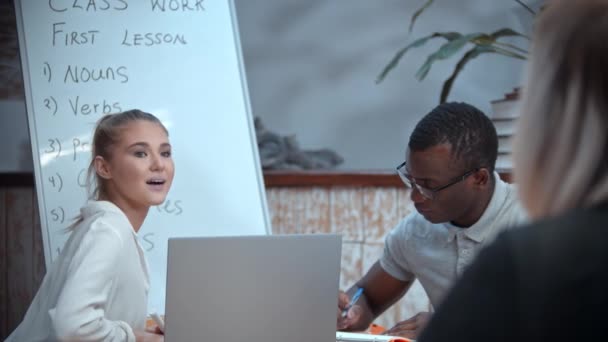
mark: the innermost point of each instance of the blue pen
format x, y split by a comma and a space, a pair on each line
352, 301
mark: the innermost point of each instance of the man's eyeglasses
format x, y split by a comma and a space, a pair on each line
426, 192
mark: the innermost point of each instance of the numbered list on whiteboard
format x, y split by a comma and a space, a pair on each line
98, 57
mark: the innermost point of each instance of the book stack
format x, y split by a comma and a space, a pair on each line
504, 116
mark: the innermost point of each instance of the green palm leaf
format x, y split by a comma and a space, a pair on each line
506, 49
419, 12
507, 32
483, 44
492, 39
446, 51
469, 55
450, 36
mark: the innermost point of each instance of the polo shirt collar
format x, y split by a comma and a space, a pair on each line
478, 231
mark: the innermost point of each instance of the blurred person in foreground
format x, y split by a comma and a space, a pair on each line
548, 281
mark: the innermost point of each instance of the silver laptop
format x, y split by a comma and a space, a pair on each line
275, 288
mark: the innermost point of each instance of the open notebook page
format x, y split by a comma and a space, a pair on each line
364, 337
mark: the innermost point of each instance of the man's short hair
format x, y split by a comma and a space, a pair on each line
467, 129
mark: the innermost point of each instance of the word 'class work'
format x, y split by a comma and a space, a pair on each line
121, 5
88, 5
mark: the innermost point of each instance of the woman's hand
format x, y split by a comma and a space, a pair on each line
152, 334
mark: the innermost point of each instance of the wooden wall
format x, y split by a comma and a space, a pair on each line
21, 254
363, 214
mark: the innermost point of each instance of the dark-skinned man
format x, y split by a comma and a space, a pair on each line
461, 205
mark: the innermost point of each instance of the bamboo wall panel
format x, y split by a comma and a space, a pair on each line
345, 213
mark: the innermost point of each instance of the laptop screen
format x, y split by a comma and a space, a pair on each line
253, 288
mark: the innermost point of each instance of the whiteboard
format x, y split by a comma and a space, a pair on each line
179, 60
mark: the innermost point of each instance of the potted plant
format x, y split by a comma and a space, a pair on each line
504, 110
478, 43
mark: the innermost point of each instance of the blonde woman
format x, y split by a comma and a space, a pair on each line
549, 281
97, 289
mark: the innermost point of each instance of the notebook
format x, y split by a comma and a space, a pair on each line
277, 288
364, 337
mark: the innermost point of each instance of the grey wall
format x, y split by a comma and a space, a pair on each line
311, 67
14, 138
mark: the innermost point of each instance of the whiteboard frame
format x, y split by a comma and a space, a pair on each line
31, 124
252, 136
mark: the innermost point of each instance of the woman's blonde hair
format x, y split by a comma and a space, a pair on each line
107, 133
561, 145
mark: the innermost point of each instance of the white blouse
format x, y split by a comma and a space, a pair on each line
97, 289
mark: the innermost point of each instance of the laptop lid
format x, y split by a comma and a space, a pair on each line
273, 288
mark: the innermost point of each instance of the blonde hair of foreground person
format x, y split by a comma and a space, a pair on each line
547, 280
561, 148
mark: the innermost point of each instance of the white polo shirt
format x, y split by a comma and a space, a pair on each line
437, 254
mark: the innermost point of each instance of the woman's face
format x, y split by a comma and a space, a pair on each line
139, 170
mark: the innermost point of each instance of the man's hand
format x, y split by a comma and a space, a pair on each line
353, 316
410, 328
381, 291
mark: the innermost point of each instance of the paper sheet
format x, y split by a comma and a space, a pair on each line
363, 337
